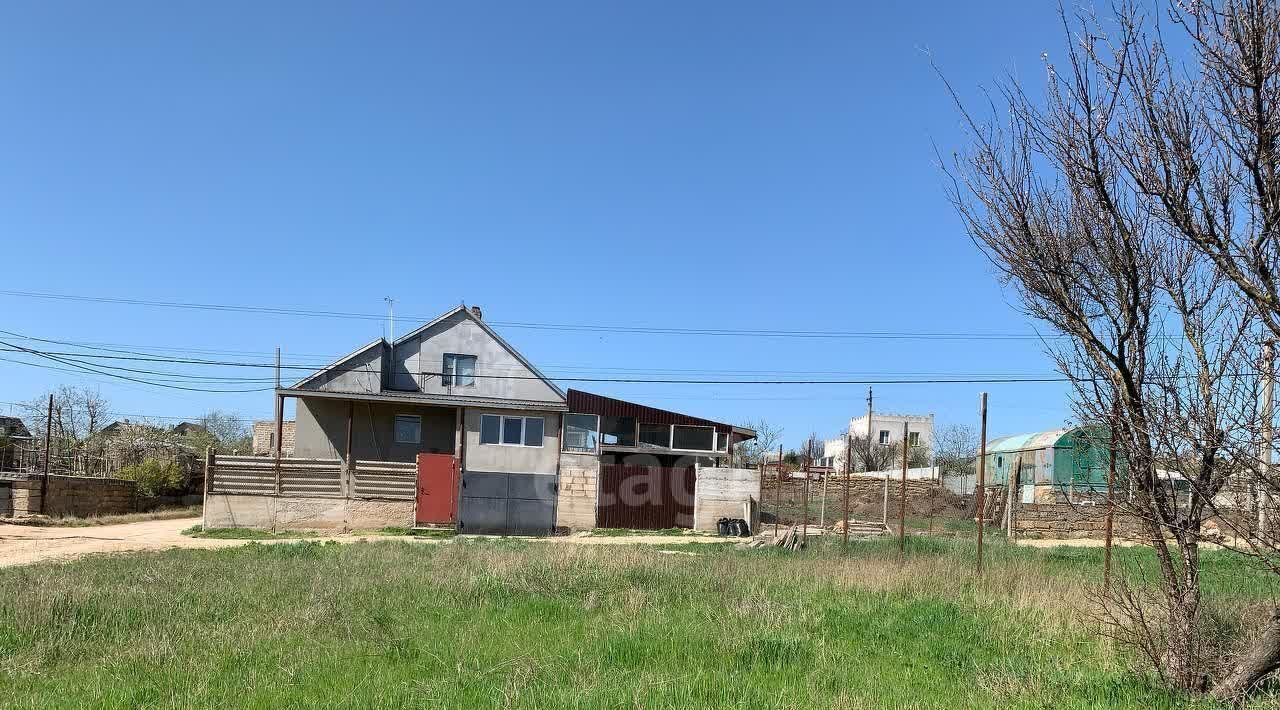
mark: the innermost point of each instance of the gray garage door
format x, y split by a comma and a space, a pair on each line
507, 503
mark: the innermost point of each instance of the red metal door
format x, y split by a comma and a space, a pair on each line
437, 489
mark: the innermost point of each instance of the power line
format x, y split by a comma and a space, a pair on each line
567, 327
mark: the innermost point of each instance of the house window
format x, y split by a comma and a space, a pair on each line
618, 431
913, 438
458, 371
884, 436
511, 431
655, 435
408, 429
693, 438
581, 432
999, 461
490, 428
722, 441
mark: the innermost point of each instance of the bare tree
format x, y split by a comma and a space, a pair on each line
1117, 208
751, 453
955, 448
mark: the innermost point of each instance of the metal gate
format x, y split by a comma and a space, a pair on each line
437, 497
508, 503
645, 497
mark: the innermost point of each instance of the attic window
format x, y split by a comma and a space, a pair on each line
458, 371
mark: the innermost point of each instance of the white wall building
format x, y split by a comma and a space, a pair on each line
886, 430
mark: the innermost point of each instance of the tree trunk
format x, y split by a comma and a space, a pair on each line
1253, 665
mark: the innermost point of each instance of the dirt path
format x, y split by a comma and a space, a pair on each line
26, 544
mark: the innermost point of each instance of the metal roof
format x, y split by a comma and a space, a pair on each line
588, 403
1026, 442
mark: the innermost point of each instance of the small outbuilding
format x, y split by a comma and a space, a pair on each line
1049, 466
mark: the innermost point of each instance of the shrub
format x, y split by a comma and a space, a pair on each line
154, 477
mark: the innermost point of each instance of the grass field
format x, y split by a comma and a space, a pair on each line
551, 625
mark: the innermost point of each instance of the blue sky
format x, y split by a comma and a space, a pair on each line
760, 165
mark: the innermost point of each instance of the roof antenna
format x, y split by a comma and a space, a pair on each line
391, 317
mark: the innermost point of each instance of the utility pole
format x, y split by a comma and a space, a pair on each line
848, 465
902, 496
279, 423
48, 435
982, 472
1268, 432
822, 511
1111, 506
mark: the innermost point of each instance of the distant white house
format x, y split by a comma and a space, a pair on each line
886, 431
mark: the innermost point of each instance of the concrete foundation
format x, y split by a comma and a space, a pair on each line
298, 513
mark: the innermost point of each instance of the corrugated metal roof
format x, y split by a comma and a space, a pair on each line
588, 403
1026, 442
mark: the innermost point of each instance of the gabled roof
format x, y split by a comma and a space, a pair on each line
301, 384
462, 308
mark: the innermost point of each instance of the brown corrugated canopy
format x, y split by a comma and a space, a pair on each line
588, 403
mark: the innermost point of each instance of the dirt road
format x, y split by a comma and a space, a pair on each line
25, 544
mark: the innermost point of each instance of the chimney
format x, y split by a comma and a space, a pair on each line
475, 311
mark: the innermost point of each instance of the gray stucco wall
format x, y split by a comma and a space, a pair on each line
512, 459
362, 373
460, 335
322, 430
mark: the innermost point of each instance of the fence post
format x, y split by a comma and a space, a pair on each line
208, 471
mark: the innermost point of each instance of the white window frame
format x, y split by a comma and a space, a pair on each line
670, 433
502, 428
449, 378
913, 439
564, 433
672, 439
886, 437
395, 428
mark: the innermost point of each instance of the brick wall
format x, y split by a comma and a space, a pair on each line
70, 495
1063, 521
579, 481
264, 435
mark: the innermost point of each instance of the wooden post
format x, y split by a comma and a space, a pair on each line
1111, 507
848, 464
902, 495
982, 472
804, 519
349, 464
208, 471
777, 512
48, 436
279, 422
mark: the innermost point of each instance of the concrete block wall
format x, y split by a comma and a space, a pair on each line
725, 493
77, 496
579, 487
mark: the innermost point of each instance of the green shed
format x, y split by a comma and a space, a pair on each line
1049, 461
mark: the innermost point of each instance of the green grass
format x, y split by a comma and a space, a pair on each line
506, 623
